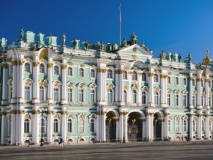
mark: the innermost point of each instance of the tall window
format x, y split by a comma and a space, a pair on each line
41, 68
193, 100
11, 69
176, 80
42, 125
203, 125
210, 126
109, 95
155, 78
26, 126
184, 126
92, 73
193, 82
27, 67
69, 125
81, 72
56, 70
69, 94
143, 97
41, 92
81, 125
134, 75
11, 92
109, 73
202, 100
156, 99
143, 76
184, 81
69, 71
92, 126
202, 84
169, 99
55, 126
177, 125
169, 80
81, 95
194, 125
124, 75
169, 125
27, 92
210, 101
176, 99
210, 83
125, 97
56, 94
134, 96
184, 100
92, 96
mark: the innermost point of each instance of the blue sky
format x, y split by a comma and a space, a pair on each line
179, 26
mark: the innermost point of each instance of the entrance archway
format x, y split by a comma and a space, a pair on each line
157, 126
135, 126
110, 126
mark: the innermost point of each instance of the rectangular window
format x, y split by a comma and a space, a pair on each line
169, 99
81, 95
69, 95
41, 94
176, 100
27, 93
92, 96
184, 126
184, 100
56, 94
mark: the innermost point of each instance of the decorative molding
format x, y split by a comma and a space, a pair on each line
151, 74
102, 70
49, 65
63, 66
36, 63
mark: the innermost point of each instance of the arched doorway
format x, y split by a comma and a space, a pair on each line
110, 126
157, 126
135, 126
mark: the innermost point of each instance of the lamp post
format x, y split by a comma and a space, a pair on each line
42, 110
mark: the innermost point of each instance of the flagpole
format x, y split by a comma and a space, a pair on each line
120, 20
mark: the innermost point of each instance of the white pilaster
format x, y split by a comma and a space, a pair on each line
191, 126
20, 81
64, 122
151, 87
49, 125
121, 128
35, 80
35, 126
21, 126
3, 124
4, 84
207, 131
199, 79
64, 90
190, 91
207, 81
50, 86
199, 125
101, 84
13, 125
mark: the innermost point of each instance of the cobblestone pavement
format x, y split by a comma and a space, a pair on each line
119, 151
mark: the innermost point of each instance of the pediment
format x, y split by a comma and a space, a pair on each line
135, 49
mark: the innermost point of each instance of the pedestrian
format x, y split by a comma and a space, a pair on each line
61, 142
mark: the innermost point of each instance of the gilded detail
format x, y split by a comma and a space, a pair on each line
102, 70
35, 64
199, 79
119, 71
35, 112
49, 65
63, 66
49, 112
166, 114
134, 56
199, 115
4, 65
151, 74
207, 80
149, 114
63, 112
164, 76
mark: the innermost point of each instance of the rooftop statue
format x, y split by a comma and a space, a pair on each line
124, 43
179, 57
162, 55
21, 34
63, 39
189, 58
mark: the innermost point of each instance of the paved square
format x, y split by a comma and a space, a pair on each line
126, 151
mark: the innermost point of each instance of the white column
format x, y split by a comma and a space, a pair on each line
35, 126
163, 80
125, 119
207, 81
64, 90
13, 125
20, 82
199, 79
121, 126
139, 95
50, 86
101, 83
207, 131
35, 80
64, 124
199, 125
129, 93
21, 126
151, 88
98, 130
191, 126
117, 128
190, 91
4, 84
49, 125
103, 117
3, 126
166, 135
119, 85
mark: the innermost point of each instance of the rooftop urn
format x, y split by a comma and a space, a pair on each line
63, 39
133, 39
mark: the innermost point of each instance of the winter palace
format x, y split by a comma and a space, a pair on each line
85, 92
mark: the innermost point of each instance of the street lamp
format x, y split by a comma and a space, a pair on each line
42, 110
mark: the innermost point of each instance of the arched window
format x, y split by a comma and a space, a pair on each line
169, 125
156, 98
125, 96
81, 72
184, 126
56, 94
202, 83
202, 100
41, 92
133, 96
92, 96
69, 125
55, 127
56, 70
210, 101
143, 97
155, 78
194, 127
184, 81
69, 71
110, 100
176, 80
169, 80
81, 95
81, 126
27, 94
169, 99
124, 75
69, 94
134, 75
193, 100
27, 67
42, 124
177, 125
92, 126
92, 73
184, 100
41, 68
26, 126
193, 82
176, 99
143, 76
109, 73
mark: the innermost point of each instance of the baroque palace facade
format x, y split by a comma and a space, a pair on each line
100, 92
